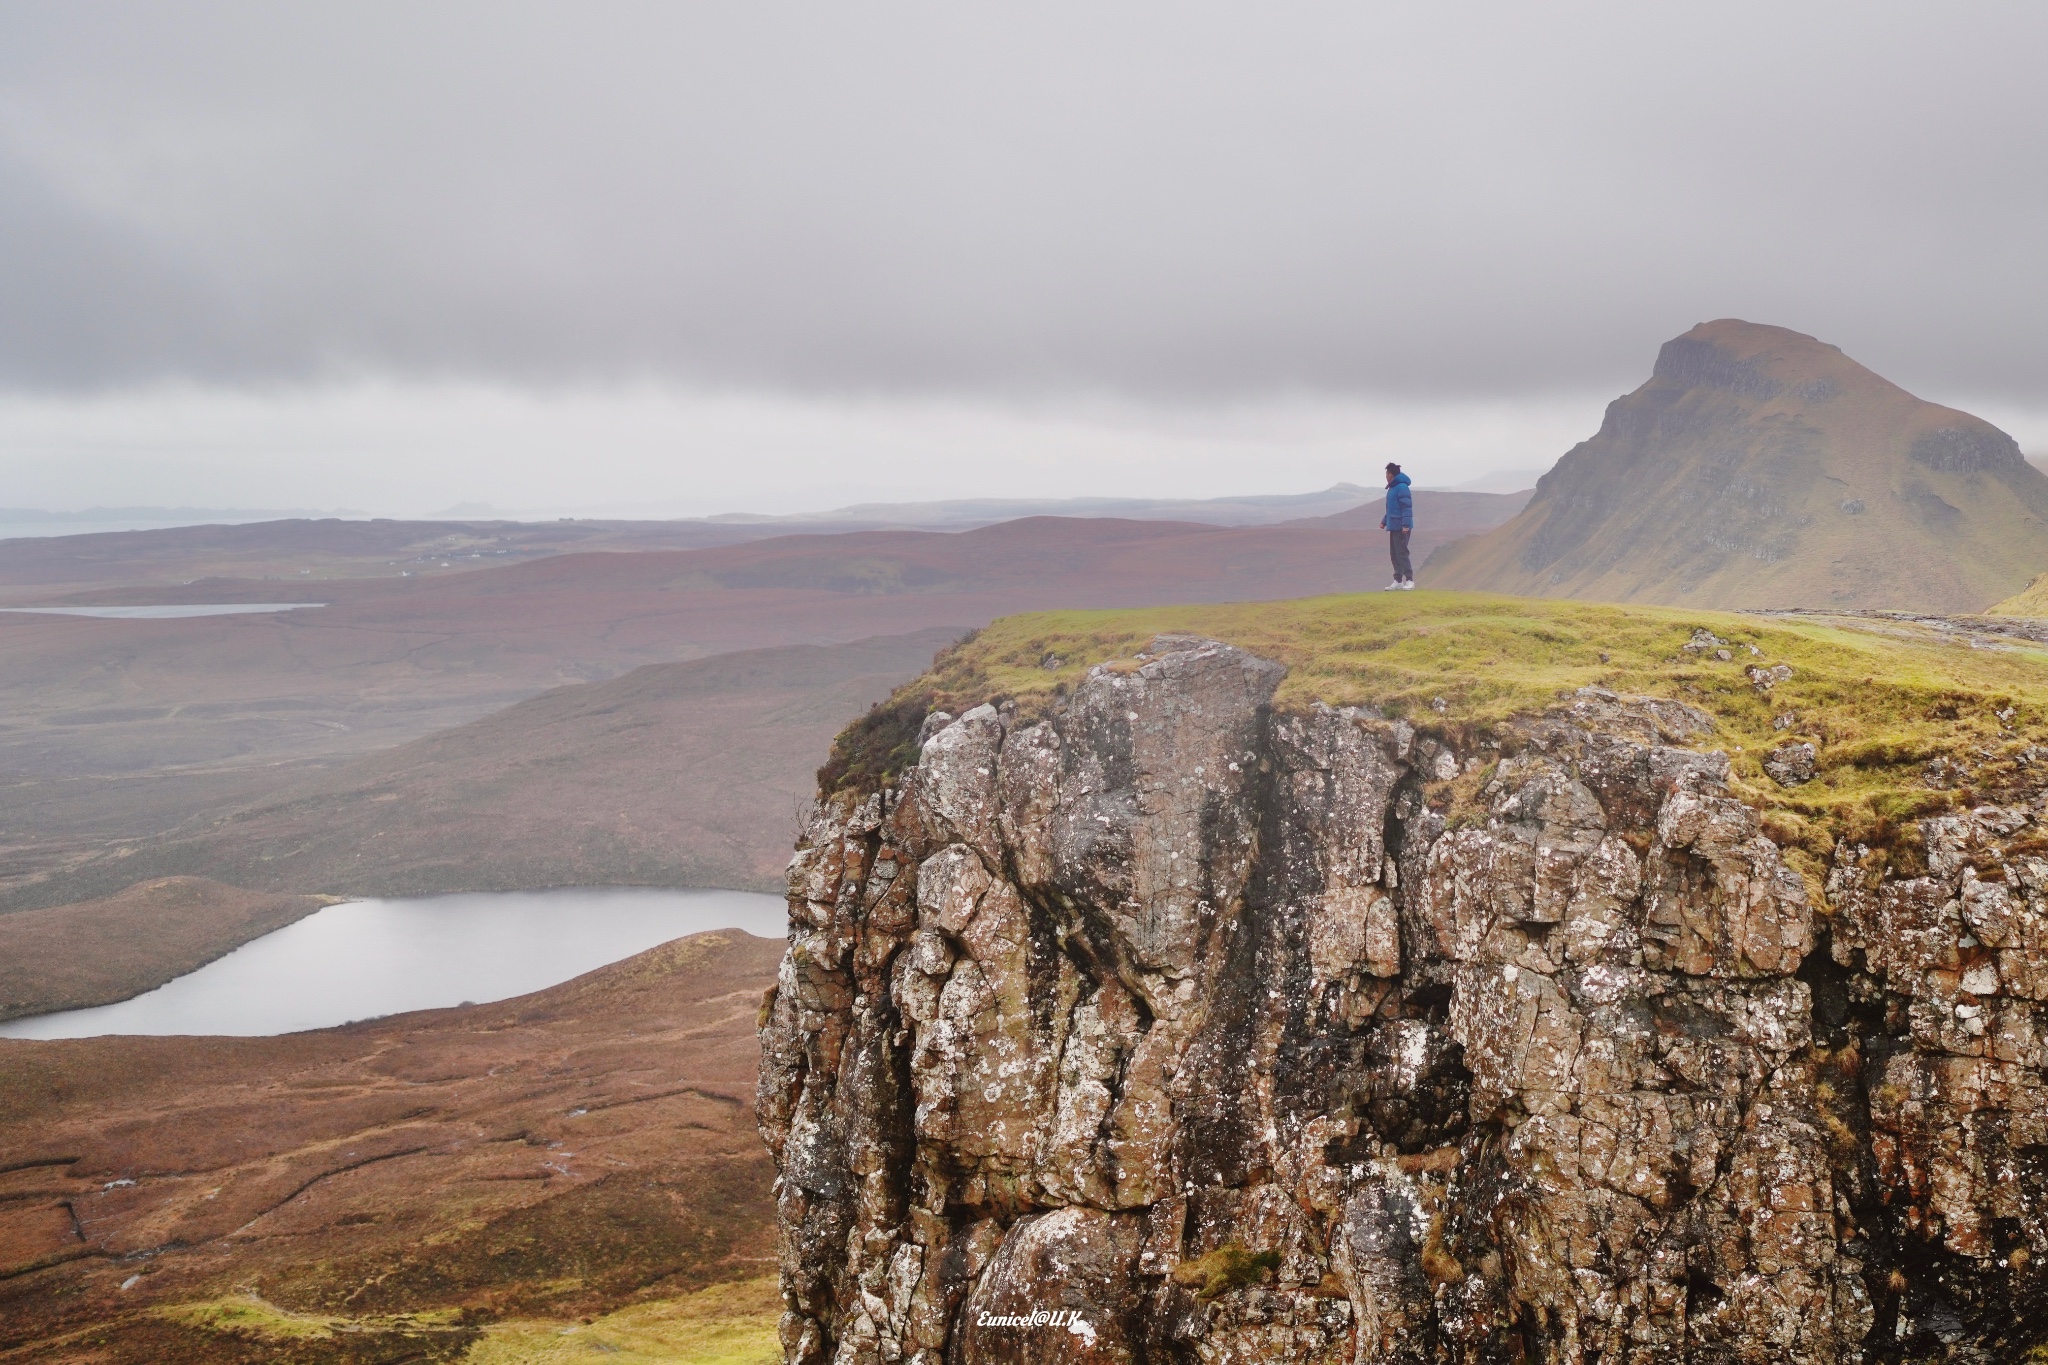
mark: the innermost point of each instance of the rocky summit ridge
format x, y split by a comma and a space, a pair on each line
1157, 1022
1759, 467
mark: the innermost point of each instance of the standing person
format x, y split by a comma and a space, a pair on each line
1398, 522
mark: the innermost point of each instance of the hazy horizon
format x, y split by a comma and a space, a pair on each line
22, 522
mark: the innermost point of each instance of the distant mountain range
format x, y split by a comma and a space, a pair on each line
962, 513
163, 515
1760, 467
946, 515
310, 554
959, 514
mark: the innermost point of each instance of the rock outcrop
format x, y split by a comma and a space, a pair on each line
1166, 1027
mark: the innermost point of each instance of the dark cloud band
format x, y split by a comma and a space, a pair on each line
1159, 199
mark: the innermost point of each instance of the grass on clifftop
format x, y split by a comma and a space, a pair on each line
1880, 700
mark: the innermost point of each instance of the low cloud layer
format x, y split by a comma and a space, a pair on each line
706, 257
1166, 200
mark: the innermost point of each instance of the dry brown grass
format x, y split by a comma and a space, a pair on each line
384, 1191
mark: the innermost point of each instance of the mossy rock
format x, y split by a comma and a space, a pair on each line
1230, 1266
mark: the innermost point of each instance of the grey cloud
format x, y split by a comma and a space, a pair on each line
1151, 198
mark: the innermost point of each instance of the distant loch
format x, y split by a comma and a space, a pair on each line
363, 959
166, 612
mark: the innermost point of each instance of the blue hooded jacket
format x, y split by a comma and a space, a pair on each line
1400, 506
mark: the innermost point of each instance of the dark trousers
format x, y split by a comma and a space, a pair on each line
1397, 542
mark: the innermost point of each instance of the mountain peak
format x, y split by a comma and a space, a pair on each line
1759, 466
1755, 360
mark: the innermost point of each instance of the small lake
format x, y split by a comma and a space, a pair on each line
167, 612
367, 958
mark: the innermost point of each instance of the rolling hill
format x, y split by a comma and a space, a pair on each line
681, 774
306, 559
575, 1168
1760, 467
1441, 516
2031, 600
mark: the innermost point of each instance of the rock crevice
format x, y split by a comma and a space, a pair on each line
1222, 1034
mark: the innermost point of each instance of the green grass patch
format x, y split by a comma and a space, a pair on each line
250, 1318
1230, 1266
726, 1324
1878, 698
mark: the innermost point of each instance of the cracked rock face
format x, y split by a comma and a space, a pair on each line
1200, 1033
1791, 764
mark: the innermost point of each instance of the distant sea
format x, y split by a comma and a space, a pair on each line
20, 522
15, 530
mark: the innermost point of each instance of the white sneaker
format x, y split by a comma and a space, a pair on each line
1408, 586
1394, 586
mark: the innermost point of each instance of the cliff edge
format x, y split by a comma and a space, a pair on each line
1146, 1019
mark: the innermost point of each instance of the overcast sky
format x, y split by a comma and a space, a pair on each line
705, 257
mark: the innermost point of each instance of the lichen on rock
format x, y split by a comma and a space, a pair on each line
1216, 1033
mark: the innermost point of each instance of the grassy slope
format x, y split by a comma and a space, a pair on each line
682, 774
726, 1324
2031, 600
577, 1167
1878, 698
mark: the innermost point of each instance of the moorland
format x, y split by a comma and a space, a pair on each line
485, 1183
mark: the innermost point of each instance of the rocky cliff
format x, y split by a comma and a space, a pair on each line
1758, 467
1168, 1025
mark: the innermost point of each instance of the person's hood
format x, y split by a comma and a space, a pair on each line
1401, 480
